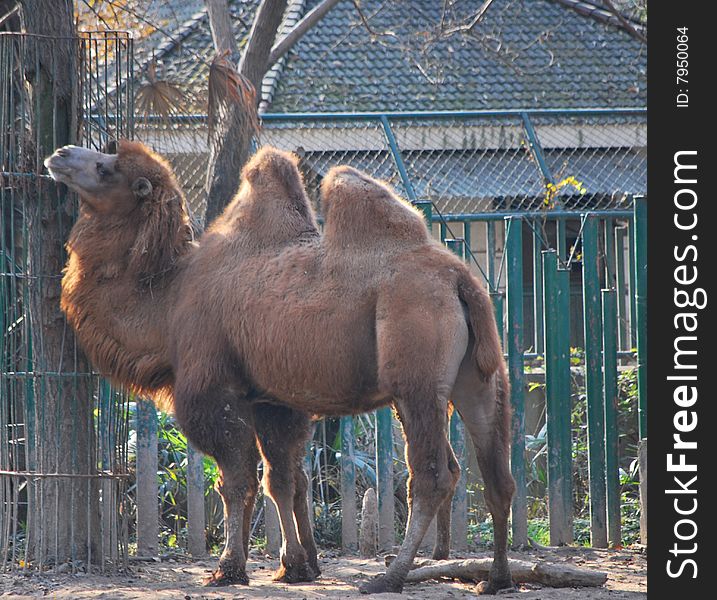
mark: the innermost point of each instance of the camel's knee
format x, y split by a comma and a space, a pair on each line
431, 481
499, 490
213, 420
244, 488
278, 482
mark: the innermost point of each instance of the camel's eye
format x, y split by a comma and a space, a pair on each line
102, 171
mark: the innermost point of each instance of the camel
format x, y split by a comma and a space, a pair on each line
374, 312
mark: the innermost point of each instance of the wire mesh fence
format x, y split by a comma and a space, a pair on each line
63, 429
462, 162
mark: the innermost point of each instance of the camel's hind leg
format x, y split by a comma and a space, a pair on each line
302, 515
419, 375
484, 407
282, 435
442, 547
220, 424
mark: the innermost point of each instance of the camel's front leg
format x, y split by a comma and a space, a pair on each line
282, 435
221, 425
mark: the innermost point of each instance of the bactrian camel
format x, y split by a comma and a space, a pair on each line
263, 314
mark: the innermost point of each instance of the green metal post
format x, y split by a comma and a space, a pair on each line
309, 469
538, 327
562, 240
632, 273
459, 510
514, 269
610, 276
398, 160
620, 282
384, 476
592, 317
427, 209
455, 246
349, 535
495, 295
640, 269
612, 438
467, 237
557, 397
490, 251
565, 378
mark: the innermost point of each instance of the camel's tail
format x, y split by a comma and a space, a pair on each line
487, 350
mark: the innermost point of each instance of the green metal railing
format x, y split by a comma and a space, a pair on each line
597, 265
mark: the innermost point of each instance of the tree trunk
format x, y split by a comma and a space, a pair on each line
232, 141
66, 513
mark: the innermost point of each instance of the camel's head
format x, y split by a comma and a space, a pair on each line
115, 181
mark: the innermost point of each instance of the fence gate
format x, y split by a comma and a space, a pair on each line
63, 430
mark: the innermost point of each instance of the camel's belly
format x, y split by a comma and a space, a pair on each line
321, 359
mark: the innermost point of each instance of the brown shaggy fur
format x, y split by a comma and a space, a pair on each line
121, 249
363, 212
374, 313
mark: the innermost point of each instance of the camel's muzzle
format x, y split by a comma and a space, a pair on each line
65, 160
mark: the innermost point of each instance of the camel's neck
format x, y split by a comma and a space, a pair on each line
120, 317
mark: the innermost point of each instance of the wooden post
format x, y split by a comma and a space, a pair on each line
349, 535
272, 527
642, 465
368, 542
196, 537
147, 491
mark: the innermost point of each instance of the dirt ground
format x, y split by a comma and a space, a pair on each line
180, 579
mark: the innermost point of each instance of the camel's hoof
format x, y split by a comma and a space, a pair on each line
379, 585
294, 573
491, 587
226, 576
314, 569
440, 554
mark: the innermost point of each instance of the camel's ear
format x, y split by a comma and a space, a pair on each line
142, 187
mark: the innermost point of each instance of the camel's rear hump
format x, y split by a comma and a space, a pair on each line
361, 211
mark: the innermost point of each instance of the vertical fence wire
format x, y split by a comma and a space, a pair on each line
63, 430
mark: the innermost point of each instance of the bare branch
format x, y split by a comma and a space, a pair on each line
365, 20
297, 32
625, 23
220, 23
467, 28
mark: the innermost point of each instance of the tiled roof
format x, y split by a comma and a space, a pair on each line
523, 54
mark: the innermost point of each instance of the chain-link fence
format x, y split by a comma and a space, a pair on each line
63, 429
462, 162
